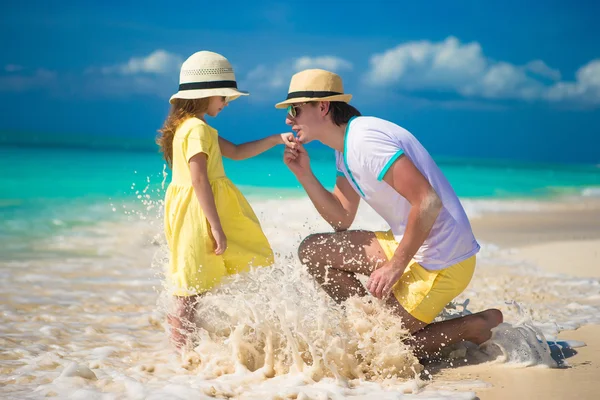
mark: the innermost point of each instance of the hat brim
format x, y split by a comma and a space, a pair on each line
230, 93
338, 97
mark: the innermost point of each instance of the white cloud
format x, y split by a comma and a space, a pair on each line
279, 76
453, 66
127, 86
13, 68
462, 68
158, 62
505, 81
266, 77
586, 88
23, 82
329, 63
424, 64
276, 14
539, 67
156, 74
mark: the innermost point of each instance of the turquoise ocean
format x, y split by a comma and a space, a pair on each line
47, 190
83, 310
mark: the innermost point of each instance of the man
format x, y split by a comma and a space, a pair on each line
428, 256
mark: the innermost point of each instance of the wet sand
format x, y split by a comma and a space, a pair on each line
562, 240
96, 307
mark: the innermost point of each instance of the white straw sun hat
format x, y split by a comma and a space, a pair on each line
206, 74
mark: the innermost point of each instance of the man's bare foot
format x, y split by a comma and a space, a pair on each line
480, 325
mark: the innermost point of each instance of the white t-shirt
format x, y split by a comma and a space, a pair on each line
370, 148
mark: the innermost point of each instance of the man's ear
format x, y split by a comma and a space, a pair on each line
324, 107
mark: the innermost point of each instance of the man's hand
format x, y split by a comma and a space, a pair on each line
382, 280
297, 160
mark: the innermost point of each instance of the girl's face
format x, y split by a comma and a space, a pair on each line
216, 104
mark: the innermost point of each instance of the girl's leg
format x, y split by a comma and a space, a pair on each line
181, 320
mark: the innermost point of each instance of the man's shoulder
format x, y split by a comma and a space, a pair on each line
367, 129
376, 125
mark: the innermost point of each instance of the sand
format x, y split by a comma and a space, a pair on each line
557, 222
575, 258
577, 381
93, 307
562, 240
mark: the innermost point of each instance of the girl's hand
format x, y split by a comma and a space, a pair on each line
289, 140
220, 240
297, 160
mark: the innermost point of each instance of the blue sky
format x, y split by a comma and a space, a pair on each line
508, 80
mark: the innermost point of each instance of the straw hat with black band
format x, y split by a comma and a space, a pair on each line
315, 85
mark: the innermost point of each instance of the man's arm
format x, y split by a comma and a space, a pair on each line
426, 205
337, 208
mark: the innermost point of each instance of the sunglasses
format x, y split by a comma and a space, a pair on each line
293, 109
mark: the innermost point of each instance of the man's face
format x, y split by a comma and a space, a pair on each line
305, 119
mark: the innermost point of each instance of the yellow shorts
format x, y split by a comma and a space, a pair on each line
424, 293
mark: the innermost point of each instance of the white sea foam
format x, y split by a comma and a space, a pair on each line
593, 191
90, 324
476, 208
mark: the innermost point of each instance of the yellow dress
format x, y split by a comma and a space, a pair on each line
194, 267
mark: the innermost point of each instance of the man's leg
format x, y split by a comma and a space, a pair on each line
429, 339
334, 259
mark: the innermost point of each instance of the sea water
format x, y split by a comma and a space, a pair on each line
83, 306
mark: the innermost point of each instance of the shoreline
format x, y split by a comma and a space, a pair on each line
112, 259
562, 239
576, 380
558, 220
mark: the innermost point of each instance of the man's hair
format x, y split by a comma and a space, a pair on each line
342, 112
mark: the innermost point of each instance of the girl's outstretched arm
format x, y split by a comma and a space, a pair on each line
256, 147
201, 184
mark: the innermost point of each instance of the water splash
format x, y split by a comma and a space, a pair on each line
267, 334
275, 321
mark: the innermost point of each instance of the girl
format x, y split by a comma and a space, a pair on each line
210, 228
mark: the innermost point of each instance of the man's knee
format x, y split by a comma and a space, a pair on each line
308, 251
487, 318
494, 316
481, 324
